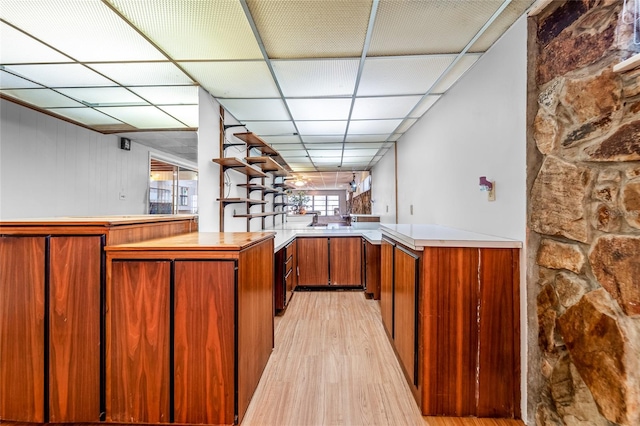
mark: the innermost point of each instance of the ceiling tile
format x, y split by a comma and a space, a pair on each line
302, 28
256, 109
359, 153
316, 77
248, 79
367, 138
87, 116
60, 75
104, 96
143, 117
320, 109
10, 81
271, 128
401, 76
168, 95
324, 145
406, 124
321, 127
66, 25
303, 167
194, 30
455, 73
383, 107
44, 98
320, 159
325, 153
322, 139
286, 152
363, 145
19, 48
188, 114
272, 140
144, 74
425, 27
513, 11
373, 126
424, 105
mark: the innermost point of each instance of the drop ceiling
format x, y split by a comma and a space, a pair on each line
330, 84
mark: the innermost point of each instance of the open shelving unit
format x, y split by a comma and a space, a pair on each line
257, 169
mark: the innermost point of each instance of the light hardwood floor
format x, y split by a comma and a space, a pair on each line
333, 365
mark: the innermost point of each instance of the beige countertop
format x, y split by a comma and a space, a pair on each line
418, 236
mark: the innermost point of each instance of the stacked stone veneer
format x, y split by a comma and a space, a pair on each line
584, 216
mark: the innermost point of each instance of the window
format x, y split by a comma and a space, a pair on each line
325, 205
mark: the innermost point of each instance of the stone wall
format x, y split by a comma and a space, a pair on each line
361, 204
584, 216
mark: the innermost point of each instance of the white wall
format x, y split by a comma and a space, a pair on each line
477, 129
208, 174
49, 167
383, 188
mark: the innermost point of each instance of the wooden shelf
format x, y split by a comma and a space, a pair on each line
267, 164
258, 187
250, 201
239, 166
254, 141
280, 204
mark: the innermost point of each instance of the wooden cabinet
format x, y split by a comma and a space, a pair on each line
371, 269
452, 315
313, 261
386, 285
51, 294
189, 327
329, 261
285, 275
405, 320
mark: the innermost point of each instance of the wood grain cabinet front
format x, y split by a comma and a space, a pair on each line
452, 315
52, 285
329, 261
285, 276
189, 330
371, 269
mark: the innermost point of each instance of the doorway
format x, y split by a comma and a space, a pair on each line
173, 189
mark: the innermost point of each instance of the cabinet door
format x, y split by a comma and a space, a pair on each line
372, 269
406, 310
313, 261
346, 261
450, 331
499, 334
137, 376
294, 265
386, 285
22, 300
74, 334
279, 272
204, 342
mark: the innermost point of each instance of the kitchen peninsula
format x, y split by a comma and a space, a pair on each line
450, 306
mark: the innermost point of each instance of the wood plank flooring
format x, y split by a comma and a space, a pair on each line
333, 365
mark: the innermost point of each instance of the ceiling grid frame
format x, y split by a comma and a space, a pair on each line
309, 49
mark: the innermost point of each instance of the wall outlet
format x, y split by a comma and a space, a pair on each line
122, 196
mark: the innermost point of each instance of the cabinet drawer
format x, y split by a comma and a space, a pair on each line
288, 279
288, 250
288, 264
